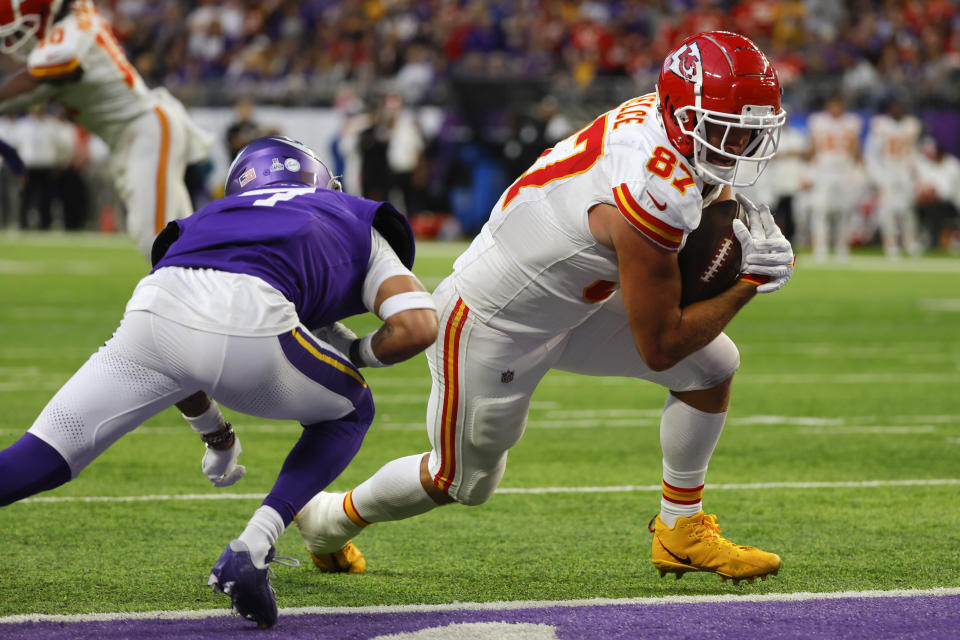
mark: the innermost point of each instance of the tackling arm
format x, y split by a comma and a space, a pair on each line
409, 316
22, 90
409, 326
405, 333
663, 332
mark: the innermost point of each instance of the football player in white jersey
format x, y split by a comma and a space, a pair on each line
890, 156
577, 270
836, 176
72, 58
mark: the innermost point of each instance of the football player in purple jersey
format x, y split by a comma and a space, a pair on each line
228, 309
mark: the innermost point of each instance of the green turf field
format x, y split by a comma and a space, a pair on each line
841, 453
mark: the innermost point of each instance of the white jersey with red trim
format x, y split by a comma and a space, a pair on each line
110, 94
835, 140
535, 267
890, 149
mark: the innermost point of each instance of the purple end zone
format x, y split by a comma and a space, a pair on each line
920, 617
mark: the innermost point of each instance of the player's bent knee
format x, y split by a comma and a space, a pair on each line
497, 423
475, 496
718, 361
480, 481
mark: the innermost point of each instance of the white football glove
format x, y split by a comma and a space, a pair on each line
767, 254
221, 467
337, 335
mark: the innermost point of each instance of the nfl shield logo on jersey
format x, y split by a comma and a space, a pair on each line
506, 376
686, 63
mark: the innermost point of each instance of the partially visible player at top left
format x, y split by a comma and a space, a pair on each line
73, 58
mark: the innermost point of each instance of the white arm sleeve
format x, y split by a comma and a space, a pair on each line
383, 264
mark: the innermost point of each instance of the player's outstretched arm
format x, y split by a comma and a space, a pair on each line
650, 281
409, 326
20, 91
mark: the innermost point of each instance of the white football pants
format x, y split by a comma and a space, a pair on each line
151, 363
483, 380
148, 164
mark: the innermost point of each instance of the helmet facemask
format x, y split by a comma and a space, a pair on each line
24, 23
764, 125
20, 36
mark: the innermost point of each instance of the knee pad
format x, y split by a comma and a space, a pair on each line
716, 362
496, 425
475, 486
480, 485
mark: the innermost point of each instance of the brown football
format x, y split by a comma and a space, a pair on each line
710, 260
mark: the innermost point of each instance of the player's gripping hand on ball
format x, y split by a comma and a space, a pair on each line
768, 257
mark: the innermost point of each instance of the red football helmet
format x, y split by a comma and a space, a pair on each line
716, 88
24, 23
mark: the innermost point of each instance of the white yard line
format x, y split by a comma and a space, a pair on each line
864, 484
550, 418
566, 380
877, 430
939, 304
70, 240
880, 263
489, 606
895, 378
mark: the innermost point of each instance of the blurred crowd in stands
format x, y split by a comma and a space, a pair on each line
304, 50
443, 102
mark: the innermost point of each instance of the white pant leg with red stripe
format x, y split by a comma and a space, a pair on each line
483, 380
148, 166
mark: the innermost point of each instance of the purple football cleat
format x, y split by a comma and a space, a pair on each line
248, 587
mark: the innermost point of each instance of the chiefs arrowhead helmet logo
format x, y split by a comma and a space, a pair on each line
687, 63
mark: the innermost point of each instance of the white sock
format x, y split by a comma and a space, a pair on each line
688, 437
670, 510
262, 533
393, 493
207, 422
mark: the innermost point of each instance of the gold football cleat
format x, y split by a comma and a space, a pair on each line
346, 560
695, 544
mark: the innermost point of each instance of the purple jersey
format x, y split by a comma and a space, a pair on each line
312, 245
